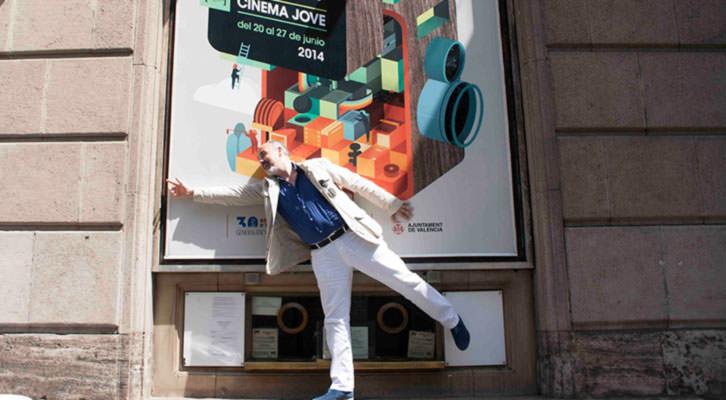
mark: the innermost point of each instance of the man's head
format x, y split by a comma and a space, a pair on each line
274, 157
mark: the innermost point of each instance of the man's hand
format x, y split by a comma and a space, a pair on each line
178, 189
405, 212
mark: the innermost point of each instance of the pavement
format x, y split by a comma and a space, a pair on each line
492, 397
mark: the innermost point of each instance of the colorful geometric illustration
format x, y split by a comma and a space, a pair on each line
432, 18
384, 120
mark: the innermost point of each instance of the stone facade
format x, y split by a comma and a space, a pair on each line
623, 104
79, 129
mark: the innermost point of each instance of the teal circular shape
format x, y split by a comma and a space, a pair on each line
443, 54
439, 106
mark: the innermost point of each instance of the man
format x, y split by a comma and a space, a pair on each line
310, 217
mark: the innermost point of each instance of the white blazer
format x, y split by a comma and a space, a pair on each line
285, 249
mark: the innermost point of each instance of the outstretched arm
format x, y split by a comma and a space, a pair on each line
405, 212
241, 195
370, 191
179, 189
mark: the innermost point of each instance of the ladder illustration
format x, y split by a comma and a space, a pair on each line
244, 51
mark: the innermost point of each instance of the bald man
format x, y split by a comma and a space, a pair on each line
310, 217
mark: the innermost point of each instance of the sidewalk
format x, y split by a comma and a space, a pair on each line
493, 397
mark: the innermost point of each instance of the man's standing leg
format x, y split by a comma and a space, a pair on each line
335, 280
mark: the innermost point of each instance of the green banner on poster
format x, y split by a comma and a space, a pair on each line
221, 5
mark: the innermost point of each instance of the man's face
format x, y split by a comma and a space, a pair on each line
272, 158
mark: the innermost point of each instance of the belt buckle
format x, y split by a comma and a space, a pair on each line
328, 239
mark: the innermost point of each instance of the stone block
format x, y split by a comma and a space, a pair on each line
89, 95
64, 366
584, 178
597, 90
701, 22
711, 155
62, 182
75, 277
614, 276
39, 182
694, 260
684, 89
5, 11
16, 260
55, 25
113, 24
632, 364
72, 24
555, 363
21, 103
653, 178
566, 22
633, 22
694, 363
613, 364
102, 182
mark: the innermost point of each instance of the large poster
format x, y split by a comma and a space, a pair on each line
409, 94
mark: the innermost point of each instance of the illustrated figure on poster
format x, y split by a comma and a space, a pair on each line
252, 134
354, 153
235, 76
310, 217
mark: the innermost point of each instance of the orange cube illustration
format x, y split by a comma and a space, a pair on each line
247, 164
371, 162
303, 151
286, 136
394, 182
394, 112
337, 153
331, 134
313, 130
389, 135
400, 159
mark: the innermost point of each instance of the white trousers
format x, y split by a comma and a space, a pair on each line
333, 267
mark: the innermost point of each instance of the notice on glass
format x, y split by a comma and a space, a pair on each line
264, 343
359, 343
264, 305
421, 344
214, 328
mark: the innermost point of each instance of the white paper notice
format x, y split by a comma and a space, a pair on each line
359, 342
263, 305
483, 313
421, 344
214, 328
264, 343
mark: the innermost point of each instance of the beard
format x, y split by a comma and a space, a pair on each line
273, 170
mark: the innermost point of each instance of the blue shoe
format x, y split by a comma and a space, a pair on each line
335, 395
461, 335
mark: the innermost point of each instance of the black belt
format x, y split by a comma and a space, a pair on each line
330, 238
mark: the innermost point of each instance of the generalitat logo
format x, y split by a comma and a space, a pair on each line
250, 225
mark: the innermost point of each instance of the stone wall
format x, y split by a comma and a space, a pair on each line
625, 109
78, 136
625, 125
